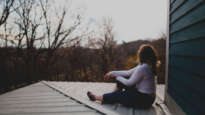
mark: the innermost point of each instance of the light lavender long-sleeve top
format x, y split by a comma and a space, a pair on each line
141, 76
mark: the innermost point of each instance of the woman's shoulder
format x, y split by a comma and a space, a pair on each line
145, 67
142, 67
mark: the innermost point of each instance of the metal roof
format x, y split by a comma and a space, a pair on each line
64, 98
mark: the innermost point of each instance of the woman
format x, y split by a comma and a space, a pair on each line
135, 87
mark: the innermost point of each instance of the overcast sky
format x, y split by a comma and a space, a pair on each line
132, 19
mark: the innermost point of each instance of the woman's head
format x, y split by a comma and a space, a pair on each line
148, 54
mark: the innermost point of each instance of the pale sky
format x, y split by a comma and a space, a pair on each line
132, 19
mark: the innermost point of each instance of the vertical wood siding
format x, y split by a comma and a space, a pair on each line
187, 55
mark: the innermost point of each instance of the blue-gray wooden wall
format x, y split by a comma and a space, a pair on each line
186, 76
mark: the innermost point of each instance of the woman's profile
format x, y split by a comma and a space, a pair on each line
134, 87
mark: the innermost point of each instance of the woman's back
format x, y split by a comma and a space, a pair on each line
147, 83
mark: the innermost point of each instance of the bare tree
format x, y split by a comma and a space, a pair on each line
6, 10
59, 35
37, 35
107, 45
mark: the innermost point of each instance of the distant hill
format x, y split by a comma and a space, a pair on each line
132, 47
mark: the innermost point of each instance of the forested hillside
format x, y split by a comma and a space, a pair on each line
74, 63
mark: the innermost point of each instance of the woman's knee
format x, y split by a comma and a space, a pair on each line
113, 97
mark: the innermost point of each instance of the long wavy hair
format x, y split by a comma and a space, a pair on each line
148, 54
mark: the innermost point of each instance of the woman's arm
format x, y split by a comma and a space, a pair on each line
135, 78
123, 73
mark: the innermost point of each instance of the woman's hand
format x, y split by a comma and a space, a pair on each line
107, 76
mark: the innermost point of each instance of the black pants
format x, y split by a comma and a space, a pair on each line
129, 96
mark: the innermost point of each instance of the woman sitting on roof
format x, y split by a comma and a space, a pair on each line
134, 87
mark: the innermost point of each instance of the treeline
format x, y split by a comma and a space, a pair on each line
74, 63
